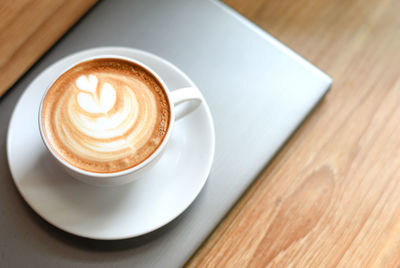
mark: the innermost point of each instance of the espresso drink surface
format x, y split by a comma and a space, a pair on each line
105, 115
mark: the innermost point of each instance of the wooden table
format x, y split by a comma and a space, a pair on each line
332, 195
28, 28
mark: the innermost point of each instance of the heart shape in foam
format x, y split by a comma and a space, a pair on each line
89, 100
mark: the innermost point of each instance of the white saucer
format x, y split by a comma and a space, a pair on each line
118, 212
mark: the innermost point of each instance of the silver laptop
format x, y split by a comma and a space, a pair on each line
235, 64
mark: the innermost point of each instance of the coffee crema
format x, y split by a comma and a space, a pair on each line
105, 115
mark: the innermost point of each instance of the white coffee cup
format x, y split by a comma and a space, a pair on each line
175, 98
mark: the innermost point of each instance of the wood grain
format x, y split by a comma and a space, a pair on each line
331, 198
28, 28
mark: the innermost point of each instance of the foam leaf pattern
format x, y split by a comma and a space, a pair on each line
88, 84
88, 100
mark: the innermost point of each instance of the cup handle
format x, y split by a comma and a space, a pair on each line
183, 95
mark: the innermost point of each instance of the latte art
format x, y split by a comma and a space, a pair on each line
88, 100
105, 115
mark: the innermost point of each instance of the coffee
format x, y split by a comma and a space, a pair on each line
105, 115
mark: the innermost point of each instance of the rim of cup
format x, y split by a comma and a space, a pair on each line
133, 169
